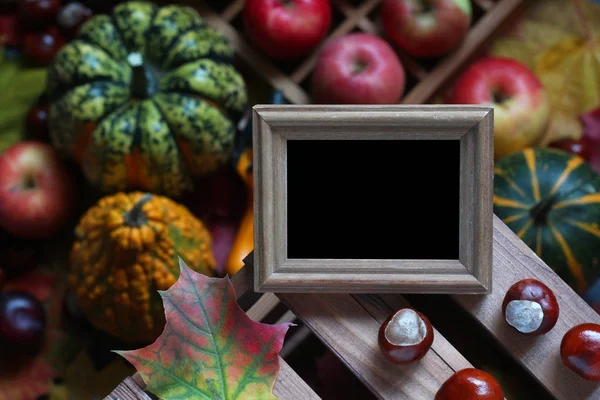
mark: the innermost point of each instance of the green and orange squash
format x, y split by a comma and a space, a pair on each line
551, 200
146, 98
127, 248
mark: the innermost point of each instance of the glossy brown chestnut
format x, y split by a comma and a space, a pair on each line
530, 307
405, 336
470, 384
580, 350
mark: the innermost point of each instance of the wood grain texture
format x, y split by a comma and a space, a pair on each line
274, 125
514, 261
128, 390
348, 325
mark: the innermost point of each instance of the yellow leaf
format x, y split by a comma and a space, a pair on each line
564, 53
570, 72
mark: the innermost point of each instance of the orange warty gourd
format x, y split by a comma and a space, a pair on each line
127, 248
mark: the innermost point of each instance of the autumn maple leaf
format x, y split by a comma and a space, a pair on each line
210, 348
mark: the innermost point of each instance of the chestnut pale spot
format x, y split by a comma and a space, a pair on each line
406, 328
526, 316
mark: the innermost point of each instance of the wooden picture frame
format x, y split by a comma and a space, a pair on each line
471, 125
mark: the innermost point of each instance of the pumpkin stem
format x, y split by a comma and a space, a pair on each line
135, 217
142, 81
539, 213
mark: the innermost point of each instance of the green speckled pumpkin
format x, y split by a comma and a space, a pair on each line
145, 98
551, 200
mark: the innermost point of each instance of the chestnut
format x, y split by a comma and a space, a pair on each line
470, 384
580, 350
530, 307
405, 336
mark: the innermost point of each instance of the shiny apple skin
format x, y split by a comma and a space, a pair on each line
287, 29
37, 13
470, 384
405, 354
521, 118
40, 48
358, 68
22, 324
580, 148
580, 351
36, 191
426, 34
534, 290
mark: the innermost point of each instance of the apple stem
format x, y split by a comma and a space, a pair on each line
582, 20
358, 67
29, 182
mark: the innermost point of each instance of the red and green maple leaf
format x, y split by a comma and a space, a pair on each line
210, 348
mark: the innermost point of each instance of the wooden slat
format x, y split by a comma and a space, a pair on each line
349, 328
256, 61
233, 10
514, 261
263, 307
476, 40
353, 16
348, 325
410, 64
128, 390
485, 4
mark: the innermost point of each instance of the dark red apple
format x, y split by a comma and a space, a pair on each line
36, 124
358, 68
581, 148
36, 193
22, 324
287, 29
40, 48
36, 13
521, 105
426, 28
71, 17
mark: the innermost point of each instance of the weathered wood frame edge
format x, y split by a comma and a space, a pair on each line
472, 125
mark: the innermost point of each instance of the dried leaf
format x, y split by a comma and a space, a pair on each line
562, 46
209, 348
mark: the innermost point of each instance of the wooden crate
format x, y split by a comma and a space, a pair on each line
348, 324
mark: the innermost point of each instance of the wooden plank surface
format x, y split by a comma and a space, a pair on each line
348, 325
514, 261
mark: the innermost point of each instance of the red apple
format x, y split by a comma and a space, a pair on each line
521, 105
582, 148
358, 68
36, 194
36, 13
287, 29
39, 48
36, 123
426, 28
